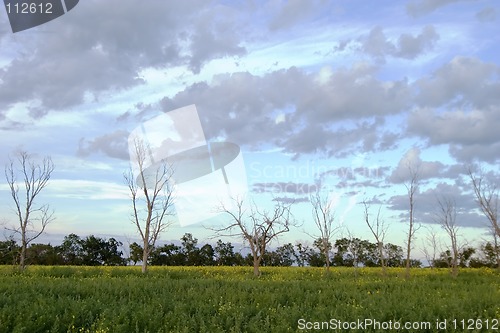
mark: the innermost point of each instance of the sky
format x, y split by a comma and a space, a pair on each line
336, 96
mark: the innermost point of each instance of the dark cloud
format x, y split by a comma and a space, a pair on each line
427, 205
487, 15
244, 108
288, 13
463, 82
103, 46
456, 127
470, 135
113, 145
411, 163
469, 89
476, 152
408, 46
423, 7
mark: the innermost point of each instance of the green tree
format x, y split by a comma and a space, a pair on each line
224, 254
393, 255
168, 255
71, 250
206, 255
9, 251
190, 250
43, 254
135, 253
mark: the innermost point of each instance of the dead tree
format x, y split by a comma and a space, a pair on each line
256, 226
487, 198
32, 218
379, 230
430, 246
411, 188
446, 217
152, 198
324, 218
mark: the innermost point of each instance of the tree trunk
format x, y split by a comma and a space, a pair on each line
327, 261
256, 264
381, 254
145, 255
410, 235
22, 256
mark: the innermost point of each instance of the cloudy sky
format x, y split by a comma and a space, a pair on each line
334, 95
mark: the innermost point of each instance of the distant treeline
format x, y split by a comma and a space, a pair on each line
353, 252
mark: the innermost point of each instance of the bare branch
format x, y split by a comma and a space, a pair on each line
257, 227
35, 178
486, 197
379, 230
324, 218
152, 196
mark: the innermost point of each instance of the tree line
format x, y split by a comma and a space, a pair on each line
151, 193
346, 252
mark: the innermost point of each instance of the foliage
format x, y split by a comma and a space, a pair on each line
231, 299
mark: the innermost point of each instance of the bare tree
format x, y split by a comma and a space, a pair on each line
324, 218
32, 218
431, 246
446, 217
379, 230
152, 198
487, 198
257, 227
411, 188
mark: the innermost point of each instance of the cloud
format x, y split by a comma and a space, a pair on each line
289, 13
456, 127
464, 81
476, 152
427, 206
423, 7
288, 200
113, 145
407, 46
411, 163
487, 15
242, 107
470, 135
58, 69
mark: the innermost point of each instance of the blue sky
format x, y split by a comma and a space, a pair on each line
331, 94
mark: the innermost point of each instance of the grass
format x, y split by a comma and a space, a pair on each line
230, 299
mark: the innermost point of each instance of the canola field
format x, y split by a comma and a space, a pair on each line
230, 299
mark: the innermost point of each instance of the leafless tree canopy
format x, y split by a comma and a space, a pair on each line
324, 218
152, 198
257, 227
446, 217
32, 218
431, 246
378, 229
411, 187
487, 198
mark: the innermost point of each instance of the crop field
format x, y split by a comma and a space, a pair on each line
230, 299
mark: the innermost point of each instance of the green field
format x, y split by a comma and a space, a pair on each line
230, 299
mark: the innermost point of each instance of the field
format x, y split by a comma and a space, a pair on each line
230, 299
